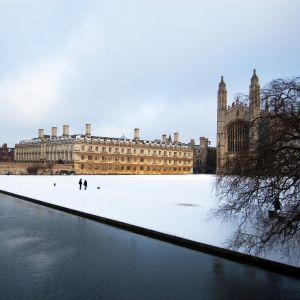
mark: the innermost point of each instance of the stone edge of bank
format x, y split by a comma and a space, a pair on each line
179, 241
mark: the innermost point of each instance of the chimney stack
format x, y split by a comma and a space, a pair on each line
88, 130
136, 133
176, 137
164, 138
54, 132
66, 130
41, 133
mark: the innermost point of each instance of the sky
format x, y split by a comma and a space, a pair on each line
151, 64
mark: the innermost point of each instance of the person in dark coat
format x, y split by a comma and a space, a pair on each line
85, 184
277, 204
80, 183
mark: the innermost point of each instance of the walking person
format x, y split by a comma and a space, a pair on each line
85, 184
80, 183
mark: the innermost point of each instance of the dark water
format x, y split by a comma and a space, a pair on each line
47, 254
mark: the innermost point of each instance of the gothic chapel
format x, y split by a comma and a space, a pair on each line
233, 123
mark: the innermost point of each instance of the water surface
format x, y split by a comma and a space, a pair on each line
48, 254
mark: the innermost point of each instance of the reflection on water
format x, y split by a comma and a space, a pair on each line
47, 254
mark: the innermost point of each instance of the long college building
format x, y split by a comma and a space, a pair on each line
87, 154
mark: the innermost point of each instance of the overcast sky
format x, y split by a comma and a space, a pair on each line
150, 64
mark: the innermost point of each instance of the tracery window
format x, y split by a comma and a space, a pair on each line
238, 136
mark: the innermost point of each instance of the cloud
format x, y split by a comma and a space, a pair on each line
191, 117
120, 64
35, 92
41, 89
86, 40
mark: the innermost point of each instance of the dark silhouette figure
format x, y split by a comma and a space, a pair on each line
277, 204
85, 184
80, 183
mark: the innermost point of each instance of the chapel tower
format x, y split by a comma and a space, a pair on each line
221, 128
254, 106
237, 132
254, 96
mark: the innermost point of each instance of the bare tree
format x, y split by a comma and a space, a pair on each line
260, 189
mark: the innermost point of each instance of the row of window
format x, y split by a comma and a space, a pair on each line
38, 157
59, 148
134, 159
37, 149
133, 168
47, 153
28, 150
135, 151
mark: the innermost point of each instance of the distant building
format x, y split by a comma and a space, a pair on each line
6, 154
233, 123
105, 155
204, 158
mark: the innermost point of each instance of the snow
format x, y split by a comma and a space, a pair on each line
179, 205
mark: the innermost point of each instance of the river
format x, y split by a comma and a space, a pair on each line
49, 254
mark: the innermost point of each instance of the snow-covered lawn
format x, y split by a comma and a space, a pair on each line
177, 205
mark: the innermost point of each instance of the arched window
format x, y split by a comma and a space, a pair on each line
238, 136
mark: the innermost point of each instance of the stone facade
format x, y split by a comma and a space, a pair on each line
6, 154
102, 155
234, 134
204, 158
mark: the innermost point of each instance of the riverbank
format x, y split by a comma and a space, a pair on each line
176, 206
